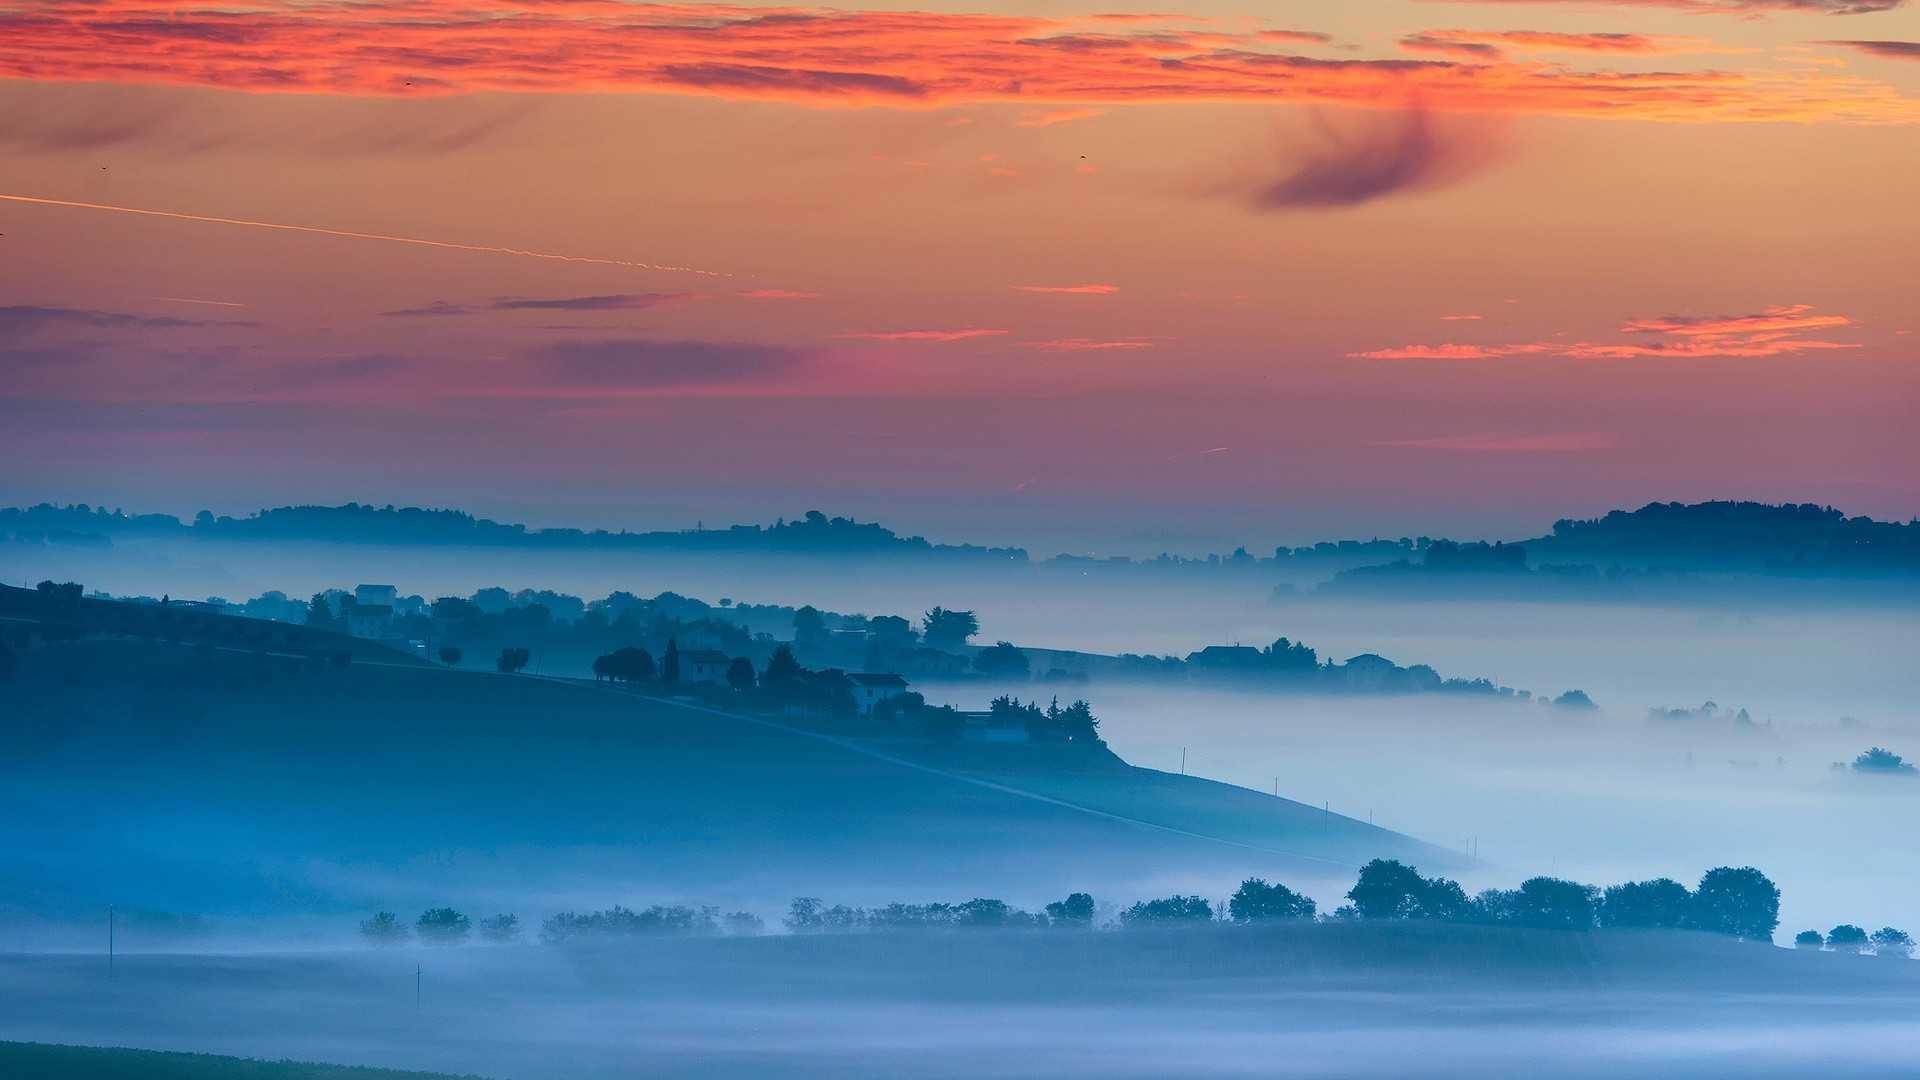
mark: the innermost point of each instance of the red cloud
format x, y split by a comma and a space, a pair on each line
1489, 44
1775, 331
849, 58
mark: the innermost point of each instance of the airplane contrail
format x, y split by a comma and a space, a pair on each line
486, 249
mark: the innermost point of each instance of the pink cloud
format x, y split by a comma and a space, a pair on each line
1494, 443
1091, 289
1056, 117
1774, 331
779, 294
935, 336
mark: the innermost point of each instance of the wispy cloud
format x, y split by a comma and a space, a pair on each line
1494, 44
1080, 344
1888, 50
779, 294
1091, 289
1461, 318
643, 364
609, 302
20, 320
434, 309
1496, 443
1775, 331
933, 336
1054, 117
1743, 8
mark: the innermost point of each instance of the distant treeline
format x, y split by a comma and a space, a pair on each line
1648, 545
1738, 902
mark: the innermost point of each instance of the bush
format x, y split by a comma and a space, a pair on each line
1808, 939
619, 922
1390, 889
511, 660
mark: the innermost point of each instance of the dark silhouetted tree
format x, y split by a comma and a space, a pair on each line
442, 926
1552, 904
740, 674
1739, 902
782, 669
1169, 911
670, 663
449, 655
948, 630
625, 664
1003, 661
1257, 901
511, 660
1662, 903
1075, 911
1847, 938
809, 628
1883, 762
320, 614
1892, 944
1389, 889
1808, 939
385, 928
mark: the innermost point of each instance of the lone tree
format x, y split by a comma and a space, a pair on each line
782, 669
948, 630
1847, 938
740, 674
511, 660
1075, 911
385, 928
1257, 901
1883, 762
1552, 904
627, 664
449, 655
670, 663
442, 926
1893, 944
1739, 902
1003, 661
1808, 939
1662, 903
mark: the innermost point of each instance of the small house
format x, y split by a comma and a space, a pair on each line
872, 688
704, 666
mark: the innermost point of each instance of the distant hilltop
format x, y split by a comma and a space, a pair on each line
1789, 540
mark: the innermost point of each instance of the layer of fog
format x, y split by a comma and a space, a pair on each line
1597, 797
1224, 1002
1793, 663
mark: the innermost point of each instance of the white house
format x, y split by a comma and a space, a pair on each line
872, 688
369, 620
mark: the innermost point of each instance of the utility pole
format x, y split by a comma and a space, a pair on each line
416, 986
109, 941
1183, 761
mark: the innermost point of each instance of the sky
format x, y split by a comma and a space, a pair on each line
1087, 276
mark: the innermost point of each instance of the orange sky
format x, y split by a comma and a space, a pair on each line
1418, 266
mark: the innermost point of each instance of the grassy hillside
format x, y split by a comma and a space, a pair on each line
42, 1061
191, 779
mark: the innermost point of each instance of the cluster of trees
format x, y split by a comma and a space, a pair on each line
438, 926
1740, 902
660, 920
1848, 938
1883, 762
1294, 665
1075, 723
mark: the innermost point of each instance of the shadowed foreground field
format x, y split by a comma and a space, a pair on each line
41, 1061
1321, 1001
